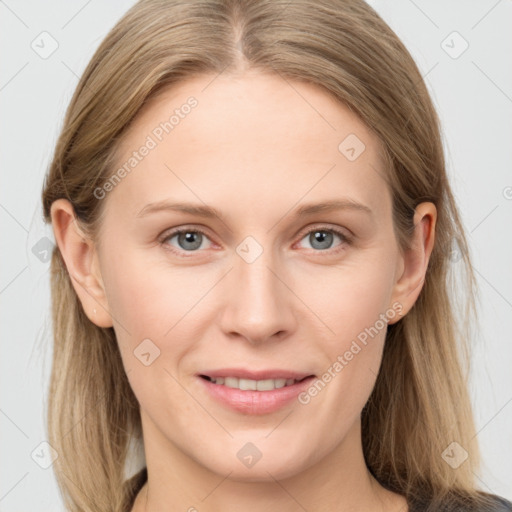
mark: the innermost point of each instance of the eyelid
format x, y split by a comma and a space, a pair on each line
346, 233
343, 234
167, 234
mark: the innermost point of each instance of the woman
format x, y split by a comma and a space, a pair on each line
254, 230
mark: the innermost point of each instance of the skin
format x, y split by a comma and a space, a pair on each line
256, 149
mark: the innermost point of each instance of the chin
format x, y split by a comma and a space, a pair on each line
262, 473
247, 463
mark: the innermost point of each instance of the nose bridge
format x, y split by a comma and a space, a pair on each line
257, 284
258, 304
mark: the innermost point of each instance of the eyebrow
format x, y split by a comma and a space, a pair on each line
210, 212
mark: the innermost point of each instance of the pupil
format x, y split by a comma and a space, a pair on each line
321, 239
191, 238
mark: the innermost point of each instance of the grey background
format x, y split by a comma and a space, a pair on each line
473, 94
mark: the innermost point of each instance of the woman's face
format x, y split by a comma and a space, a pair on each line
270, 284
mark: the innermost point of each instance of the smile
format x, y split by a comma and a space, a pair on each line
252, 385
254, 396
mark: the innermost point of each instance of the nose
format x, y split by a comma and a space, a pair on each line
257, 304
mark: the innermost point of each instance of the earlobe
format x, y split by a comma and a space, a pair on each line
415, 260
81, 259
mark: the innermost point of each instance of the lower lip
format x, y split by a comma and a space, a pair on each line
255, 402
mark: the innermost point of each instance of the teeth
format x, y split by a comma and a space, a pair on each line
254, 385
245, 384
230, 382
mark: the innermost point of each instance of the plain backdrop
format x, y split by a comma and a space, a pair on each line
463, 49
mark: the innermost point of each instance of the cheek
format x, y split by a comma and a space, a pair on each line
149, 302
148, 298
355, 306
352, 299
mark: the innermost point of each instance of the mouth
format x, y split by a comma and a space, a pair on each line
252, 384
254, 393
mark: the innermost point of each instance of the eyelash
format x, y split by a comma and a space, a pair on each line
345, 239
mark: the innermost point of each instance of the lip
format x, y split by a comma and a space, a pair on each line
255, 402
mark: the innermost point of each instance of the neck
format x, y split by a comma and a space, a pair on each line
340, 481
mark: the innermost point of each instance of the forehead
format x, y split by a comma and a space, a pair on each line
254, 136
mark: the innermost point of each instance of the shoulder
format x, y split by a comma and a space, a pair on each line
494, 503
501, 504
453, 503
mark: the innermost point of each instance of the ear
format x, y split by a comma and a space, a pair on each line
413, 263
81, 260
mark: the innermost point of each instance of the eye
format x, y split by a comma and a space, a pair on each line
322, 238
188, 240
193, 239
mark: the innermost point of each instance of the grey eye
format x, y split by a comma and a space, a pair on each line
321, 239
188, 240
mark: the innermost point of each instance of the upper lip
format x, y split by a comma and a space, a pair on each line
241, 373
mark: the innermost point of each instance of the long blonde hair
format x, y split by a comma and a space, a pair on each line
420, 403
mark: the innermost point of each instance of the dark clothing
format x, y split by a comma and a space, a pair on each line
496, 503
